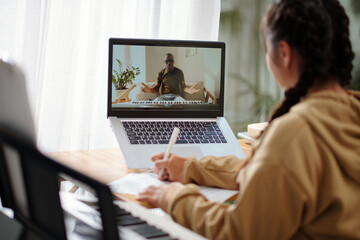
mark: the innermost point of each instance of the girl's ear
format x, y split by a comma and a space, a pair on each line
285, 54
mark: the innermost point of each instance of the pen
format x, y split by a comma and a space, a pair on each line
172, 141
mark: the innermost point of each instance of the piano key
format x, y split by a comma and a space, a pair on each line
147, 231
127, 222
120, 211
163, 238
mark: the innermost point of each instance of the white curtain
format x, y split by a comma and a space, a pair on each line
62, 46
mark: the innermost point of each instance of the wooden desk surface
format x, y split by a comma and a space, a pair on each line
107, 165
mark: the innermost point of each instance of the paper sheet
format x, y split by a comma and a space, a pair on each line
134, 183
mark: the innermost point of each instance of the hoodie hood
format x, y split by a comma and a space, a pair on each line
335, 118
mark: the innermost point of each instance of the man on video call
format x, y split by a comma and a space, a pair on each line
170, 83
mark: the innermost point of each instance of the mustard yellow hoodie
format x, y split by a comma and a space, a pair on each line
302, 181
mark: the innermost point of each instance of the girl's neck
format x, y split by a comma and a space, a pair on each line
331, 85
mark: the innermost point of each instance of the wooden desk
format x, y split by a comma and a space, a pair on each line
107, 165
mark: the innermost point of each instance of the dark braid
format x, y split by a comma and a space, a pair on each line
343, 54
306, 26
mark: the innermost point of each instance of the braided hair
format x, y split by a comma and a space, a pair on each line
343, 54
321, 39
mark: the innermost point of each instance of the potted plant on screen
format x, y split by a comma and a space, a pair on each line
124, 76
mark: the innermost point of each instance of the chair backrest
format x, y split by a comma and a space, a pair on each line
42, 188
6, 194
29, 180
15, 113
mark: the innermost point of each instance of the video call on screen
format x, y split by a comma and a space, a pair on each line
134, 66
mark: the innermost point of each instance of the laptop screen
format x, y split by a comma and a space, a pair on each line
165, 78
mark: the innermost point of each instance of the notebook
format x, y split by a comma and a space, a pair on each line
167, 84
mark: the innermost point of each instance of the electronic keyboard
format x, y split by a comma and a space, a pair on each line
134, 221
166, 102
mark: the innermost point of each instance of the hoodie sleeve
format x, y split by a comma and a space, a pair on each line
271, 200
214, 171
263, 210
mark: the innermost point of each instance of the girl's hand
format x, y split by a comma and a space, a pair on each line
174, 167
161, 195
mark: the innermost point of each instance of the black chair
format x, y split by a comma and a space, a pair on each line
41, 176
6, 195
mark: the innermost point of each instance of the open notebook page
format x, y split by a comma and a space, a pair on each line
134, 183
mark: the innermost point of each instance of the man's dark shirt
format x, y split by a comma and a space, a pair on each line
170, 81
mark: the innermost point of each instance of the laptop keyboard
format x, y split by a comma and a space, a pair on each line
159, 132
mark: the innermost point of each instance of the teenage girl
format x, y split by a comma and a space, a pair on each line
303, 178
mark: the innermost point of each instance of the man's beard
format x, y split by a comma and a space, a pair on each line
170, 68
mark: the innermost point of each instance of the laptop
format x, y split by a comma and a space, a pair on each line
168, 84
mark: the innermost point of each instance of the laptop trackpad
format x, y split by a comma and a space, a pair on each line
188, 151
